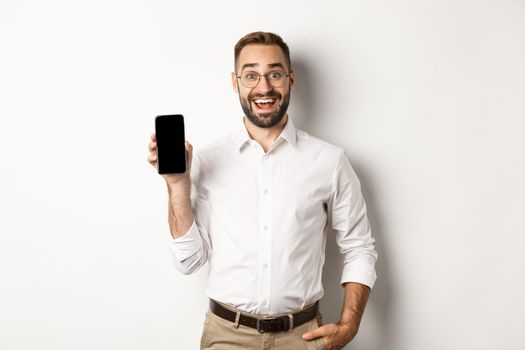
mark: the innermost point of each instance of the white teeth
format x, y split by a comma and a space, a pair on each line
264, 101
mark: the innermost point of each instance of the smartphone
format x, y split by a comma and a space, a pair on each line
171, 152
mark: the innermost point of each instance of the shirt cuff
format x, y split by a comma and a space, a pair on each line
359, 272
185, 246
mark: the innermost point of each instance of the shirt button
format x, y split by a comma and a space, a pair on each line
266, 191
265, 266
265, 228
263, 303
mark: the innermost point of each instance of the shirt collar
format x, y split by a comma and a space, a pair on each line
289, 133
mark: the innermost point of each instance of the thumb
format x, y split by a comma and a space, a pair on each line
189, 155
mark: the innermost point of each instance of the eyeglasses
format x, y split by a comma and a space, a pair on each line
276, 78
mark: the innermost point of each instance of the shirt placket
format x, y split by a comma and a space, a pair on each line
265, 250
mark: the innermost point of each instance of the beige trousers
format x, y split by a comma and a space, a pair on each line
220, 334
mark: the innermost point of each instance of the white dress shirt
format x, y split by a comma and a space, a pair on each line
261, 220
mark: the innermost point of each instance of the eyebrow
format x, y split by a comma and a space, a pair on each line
252, 65
273, 65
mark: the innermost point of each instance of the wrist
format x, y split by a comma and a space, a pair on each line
178, 184
174, 179
348, 328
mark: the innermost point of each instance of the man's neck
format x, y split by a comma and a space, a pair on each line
265, 136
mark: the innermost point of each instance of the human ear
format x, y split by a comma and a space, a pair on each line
235, 82
292, 78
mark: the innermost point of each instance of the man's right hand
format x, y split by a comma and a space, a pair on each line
171, 179
180, 216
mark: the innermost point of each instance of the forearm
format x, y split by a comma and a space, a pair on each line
180, 213
356, 297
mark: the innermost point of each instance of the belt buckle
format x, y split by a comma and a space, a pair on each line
268, 321
258, 325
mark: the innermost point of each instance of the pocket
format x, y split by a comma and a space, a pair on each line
319, 342
204, 336
319, 320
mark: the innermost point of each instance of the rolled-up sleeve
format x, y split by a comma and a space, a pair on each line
348, 217
188, 245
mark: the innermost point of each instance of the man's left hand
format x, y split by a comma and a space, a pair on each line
335, 336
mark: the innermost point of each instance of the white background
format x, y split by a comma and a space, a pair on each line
427, 98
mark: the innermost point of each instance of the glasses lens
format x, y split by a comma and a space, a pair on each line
276, 78
249, 79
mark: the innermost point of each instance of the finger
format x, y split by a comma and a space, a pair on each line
153, 137
188, 146
152, 159
189, 153
152, 146
316, 333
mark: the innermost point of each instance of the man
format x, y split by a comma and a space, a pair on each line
257, 207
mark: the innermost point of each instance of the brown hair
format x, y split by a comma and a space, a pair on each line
262, 38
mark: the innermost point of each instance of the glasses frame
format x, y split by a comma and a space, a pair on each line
286, 74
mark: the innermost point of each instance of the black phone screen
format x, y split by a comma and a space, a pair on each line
171, 153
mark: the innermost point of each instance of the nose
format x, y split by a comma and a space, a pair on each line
264, 84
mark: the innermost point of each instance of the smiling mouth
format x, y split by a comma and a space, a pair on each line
265, 103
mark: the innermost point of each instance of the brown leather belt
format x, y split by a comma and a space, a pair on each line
266, 324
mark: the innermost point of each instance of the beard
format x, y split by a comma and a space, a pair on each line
270, 119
